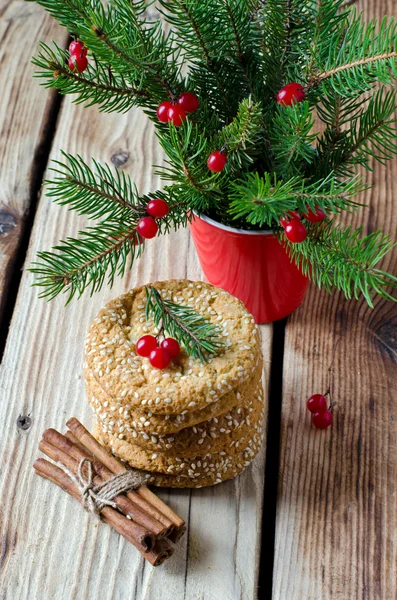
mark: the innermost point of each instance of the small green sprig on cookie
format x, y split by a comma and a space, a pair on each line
200, 338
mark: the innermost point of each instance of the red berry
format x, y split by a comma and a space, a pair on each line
188, 101
78, 62
317, 403
157, 208
315, 217
291, 94
217, 161
292, 214
176, 115
145, 345
322, 419
159, 358
77, 48
162, 111
147, 227
171, 346
295, 231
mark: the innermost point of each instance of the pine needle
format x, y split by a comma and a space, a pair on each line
200, 338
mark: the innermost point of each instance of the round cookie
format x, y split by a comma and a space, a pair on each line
232, 469
187, 384
121, 419
138, 458
210, 436
211, 473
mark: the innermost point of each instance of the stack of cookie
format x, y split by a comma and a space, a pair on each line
192, 424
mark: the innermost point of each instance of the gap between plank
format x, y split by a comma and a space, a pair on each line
265, 583
39, 165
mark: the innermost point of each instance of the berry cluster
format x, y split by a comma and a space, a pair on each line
78, 56
161, 355
295, 231
176, 113
321, 414
171, 112
147, 226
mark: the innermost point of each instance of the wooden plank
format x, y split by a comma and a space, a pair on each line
337, 513
51, 548
26, 110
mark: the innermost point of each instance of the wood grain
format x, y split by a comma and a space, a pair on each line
337, 512
25, 115
51, 548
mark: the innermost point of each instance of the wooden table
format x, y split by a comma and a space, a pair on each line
321, 505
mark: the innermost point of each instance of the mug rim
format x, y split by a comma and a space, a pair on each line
232, 229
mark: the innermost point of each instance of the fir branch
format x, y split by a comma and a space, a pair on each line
364, 54
111, 246
196, 25
96, 86
357, 63
78, 264
372, 135
333, 257
243, 137
200, 338
264, 200
292, 137
187, 149
98, 255
327, 18
284, 25
242, 44
139, 53
98, 194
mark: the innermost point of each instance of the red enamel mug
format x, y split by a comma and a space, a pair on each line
251, 265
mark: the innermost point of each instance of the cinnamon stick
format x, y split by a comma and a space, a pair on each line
114, 465
121, 524
144, 537
133, 494
176, 534
159, 553
155, 501
124, 503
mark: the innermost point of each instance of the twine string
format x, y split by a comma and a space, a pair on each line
96, 496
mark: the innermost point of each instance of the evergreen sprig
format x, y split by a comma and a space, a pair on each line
99, 84
292, 138
110, 247
343, 258
200, 338
120, 37
356, 55
235, 55
372, 134
261, 200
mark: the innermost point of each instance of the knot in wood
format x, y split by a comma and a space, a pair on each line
24, 422
8, 222
120, 158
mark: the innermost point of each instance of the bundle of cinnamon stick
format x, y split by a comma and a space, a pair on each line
139, 515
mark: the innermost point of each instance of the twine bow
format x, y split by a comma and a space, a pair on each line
96, 496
